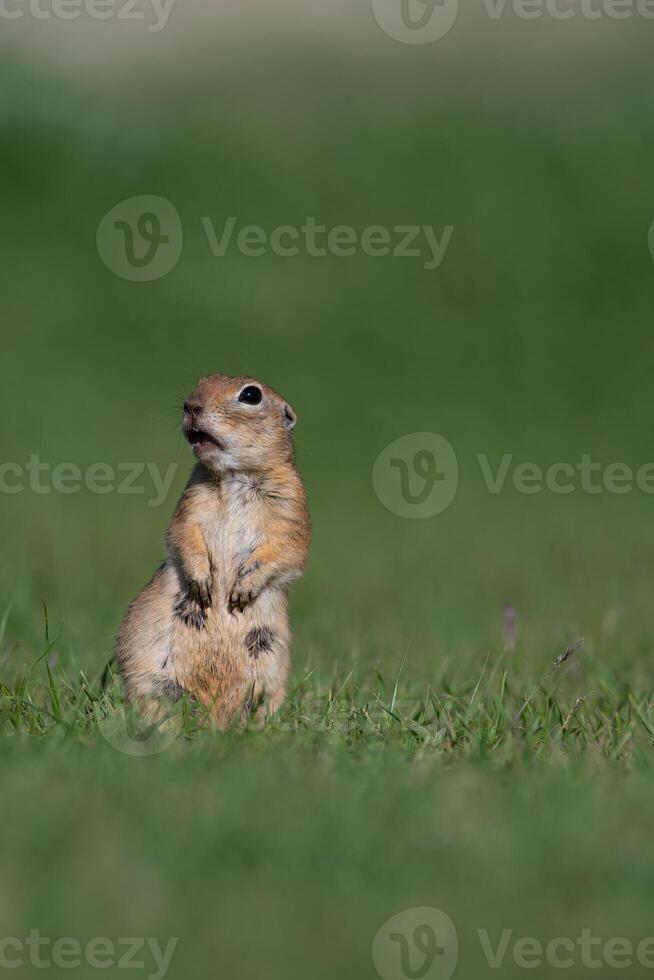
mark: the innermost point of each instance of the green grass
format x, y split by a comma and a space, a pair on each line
364, 797
501, 718
421, 760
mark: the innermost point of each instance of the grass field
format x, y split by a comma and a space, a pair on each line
437, 750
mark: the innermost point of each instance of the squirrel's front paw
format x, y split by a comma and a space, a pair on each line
200, 591
192, 605
241, 596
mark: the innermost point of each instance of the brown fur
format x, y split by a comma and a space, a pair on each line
213, 621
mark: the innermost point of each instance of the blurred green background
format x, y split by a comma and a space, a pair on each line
282, 858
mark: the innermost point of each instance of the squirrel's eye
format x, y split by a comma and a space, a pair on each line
252, 395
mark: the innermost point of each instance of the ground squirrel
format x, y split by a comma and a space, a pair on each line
213, 621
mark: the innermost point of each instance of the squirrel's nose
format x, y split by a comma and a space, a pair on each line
193, 406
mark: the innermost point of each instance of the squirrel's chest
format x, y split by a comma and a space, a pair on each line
235, 527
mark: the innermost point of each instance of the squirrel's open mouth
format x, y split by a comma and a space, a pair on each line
201, 440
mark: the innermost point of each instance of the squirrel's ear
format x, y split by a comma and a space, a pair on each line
290, 418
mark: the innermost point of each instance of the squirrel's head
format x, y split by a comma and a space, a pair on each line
238, 424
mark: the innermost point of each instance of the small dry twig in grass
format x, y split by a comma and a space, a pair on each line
555, 666
571, 713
